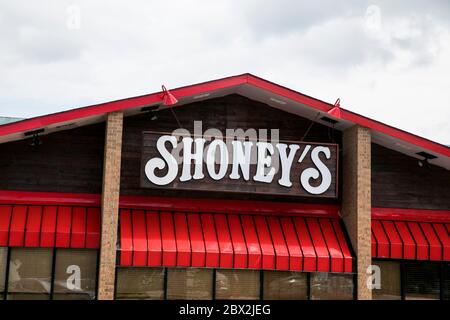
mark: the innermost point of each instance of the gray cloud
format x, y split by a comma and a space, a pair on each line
328, 49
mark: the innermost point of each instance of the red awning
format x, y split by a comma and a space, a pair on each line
405, 239
214, 240
49, 226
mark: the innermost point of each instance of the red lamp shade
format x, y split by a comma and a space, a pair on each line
168, 98
336, 110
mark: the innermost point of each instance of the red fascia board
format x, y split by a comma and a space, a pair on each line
99, 109
418, 215
229, 206
350, 116
49, 198
172, 204
394, 132
288, 93
123, 104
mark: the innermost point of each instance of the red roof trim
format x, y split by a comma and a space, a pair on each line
171, 204
49, 198
99, 109
417, 215
288, 93
123, 104
396, 133
229, 206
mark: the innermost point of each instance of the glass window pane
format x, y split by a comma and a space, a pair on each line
68, 296
75, 271
189, 283
446, 284
331, 286
28, 296
3, 259
390, 281
285, 285
422, 280
237, 284
140, 283
30, 270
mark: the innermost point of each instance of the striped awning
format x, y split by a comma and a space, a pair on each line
49, 226
215, 240
418, 240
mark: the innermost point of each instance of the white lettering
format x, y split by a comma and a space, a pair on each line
189, 155
241, 159
286, 162
158, 163
216, 153
264, 162
210, 159
312, 173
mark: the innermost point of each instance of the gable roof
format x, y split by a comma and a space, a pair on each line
247, 85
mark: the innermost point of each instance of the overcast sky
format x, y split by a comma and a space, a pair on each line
389, 60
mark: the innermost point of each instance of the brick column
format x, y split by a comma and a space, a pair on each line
356, 201
110, 204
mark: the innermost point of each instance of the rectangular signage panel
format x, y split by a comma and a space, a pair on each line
205, 163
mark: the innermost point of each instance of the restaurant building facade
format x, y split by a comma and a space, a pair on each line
236, 188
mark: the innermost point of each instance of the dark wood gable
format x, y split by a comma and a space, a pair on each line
67, 161
398, 181
233, 111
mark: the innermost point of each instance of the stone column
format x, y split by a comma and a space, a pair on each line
110, 204
356, 201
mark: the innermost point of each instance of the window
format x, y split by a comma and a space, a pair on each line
390, 281
140, 283
237, 284
30, 272
422, 280
446, 282
75, 274
3, 260
285, 285
189, 284
331, 286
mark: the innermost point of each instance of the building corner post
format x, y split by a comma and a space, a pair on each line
110, 204
356, 201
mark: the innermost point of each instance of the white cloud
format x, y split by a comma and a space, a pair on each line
393, 67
